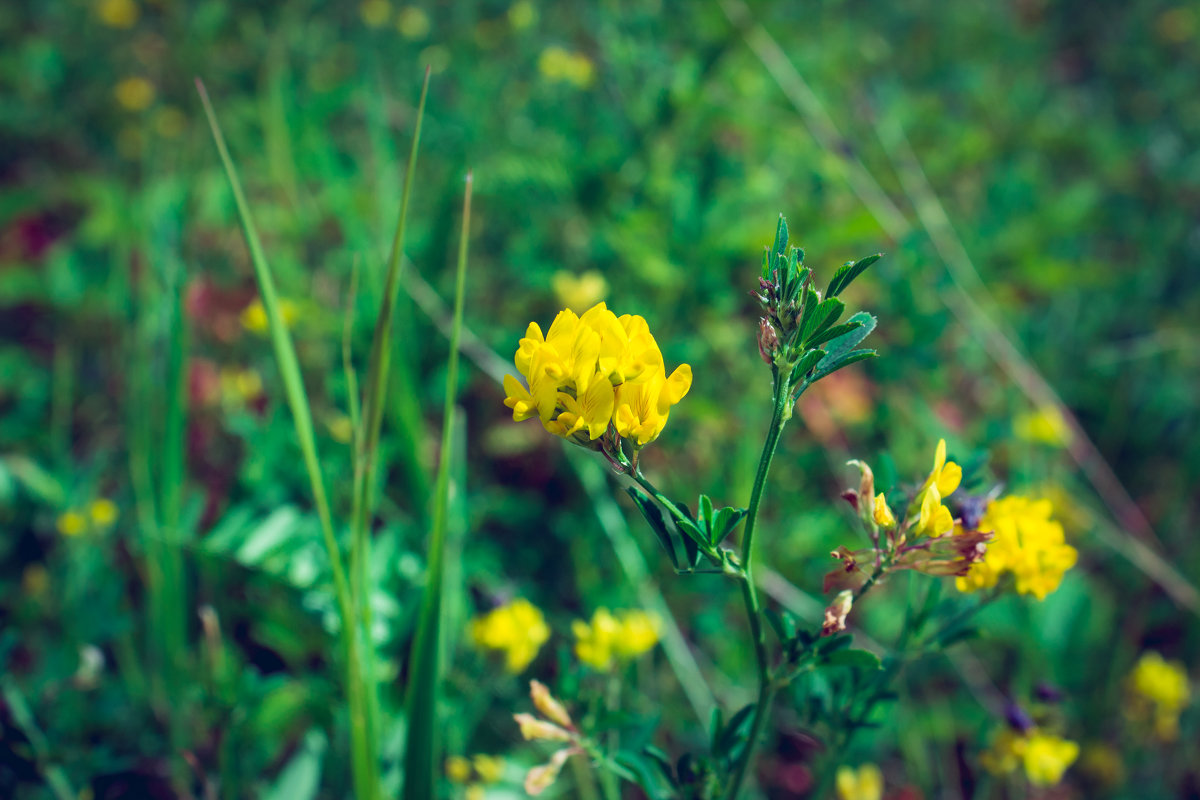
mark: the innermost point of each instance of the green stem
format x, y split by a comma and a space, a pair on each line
766, 688
612, 702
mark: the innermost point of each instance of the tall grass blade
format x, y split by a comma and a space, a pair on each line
421, 747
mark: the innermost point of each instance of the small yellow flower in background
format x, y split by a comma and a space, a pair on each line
883, 515
1102, 764
579, 291
72, 523
413, 23
933, 518
118, 13
608, 639
103, 512
475, 792
134, 93
239, 386
559, 64
1026, 543
518, 629
490, 769
594, 373
1043, 756
864, 783
254, 316
375, 13
1045, 426
1158, 692
341, 428
458, 769
169, 122
522, 15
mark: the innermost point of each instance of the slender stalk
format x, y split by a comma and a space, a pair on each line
766, 688
612, 702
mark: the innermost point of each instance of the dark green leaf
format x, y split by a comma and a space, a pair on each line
848, 272
705, 510
854, 659
663, 763
957, 635
726, 520
825, 314
810, 360
845, 361
642, 771
732, 734
779, 248
653, 515
832, 644
831, 333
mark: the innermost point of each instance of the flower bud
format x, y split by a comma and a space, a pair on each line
835, 614
768, 340
866, 485
883, 515
550, 708
541, 778
533, 728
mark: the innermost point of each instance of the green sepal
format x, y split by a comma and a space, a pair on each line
848, 272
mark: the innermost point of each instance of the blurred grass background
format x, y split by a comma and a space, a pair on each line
633, 152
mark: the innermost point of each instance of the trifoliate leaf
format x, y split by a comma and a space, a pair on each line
848, 272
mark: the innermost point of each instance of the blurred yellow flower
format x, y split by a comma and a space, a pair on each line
559, 64
72, 523
375, 13
518, 629
608, 639
1045, 426
413, 23
169, 122
239, 386
341, 428
490, 769
118, 13
103, 512
579, 291
521, 15
1026, 543
864, 783
1043, 756
933, 518
475, 792
1158, 691
593, 372
458, 769
254, 316
134, 93
883, 515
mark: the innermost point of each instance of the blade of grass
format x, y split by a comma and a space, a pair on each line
365, 765
421, 746
22, 716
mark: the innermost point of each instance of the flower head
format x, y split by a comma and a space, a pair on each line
1027, 543
1158, 691
864, 783
932, 517
518, 630
610, 638
1043, 757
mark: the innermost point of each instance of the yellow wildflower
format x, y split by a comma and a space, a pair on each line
883, 514
341, 428
518, 629
490, 769
579, 291
118, 13
413, 23
592, 373
1044, 425
1043, 756
134, 93
458, 769
254, 316
559, 64
170, 122
103, 512
864, 783
72, 523
933, 518
610, 638
1158, 691
522, 14
1027, 543
240, 386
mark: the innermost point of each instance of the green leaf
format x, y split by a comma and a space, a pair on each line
779, 248
840, 351
848, 272
831, 644
825, 314
806, 364
725, 521
301, 778
705, 509
845, 361
645, 772
831, 333
663, 762
854, 659
653, 515
732, 733
811, 302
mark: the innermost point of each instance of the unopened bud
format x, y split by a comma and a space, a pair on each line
883, 515
866, 484
768, 340
550, 708
533, 728
539, 779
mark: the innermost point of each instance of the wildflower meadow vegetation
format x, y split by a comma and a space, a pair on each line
600, 400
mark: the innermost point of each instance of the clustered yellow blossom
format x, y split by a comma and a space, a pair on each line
1044, 757
134, 93
100, 514
1158, 692
1027, 543
932, 517
478, 771
610, 638
518, 629
254, 316
558, 64
1044, 426
240, 386
118, 13
593, 374
864, 783
556, 727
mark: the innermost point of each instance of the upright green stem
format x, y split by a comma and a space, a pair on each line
766, 688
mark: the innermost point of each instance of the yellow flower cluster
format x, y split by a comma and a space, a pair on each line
1158, 692
1043, 756
1027, 543
933, 518
100, 514
864, 783
518, 629
254, 316
477, 771
610, 638
558, 64
593, 372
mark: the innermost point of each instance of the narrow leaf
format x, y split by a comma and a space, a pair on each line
653, 515
863, 660
825, 314
831, 333
848, 272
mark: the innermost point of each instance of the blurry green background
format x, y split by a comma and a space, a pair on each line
1031, 169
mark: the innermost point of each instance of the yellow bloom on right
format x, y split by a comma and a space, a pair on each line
1158, 691
1027, 543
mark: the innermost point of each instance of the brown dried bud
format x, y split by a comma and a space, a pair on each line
768, 340
835, 614
866, 484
